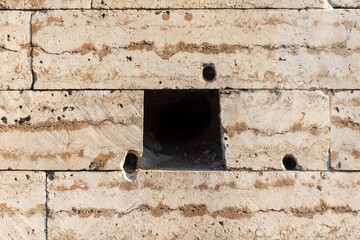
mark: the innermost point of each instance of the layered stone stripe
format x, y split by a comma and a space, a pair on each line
22, 205
204, 205
261, 127
159, 49
69, 130
345, 130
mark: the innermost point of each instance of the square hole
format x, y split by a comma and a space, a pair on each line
182, 130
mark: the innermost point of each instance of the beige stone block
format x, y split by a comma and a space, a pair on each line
211, 4
345, 130
344, 3
204, 205
154, 50
22, 205
44, 4
75, 130
15, 70
261, 127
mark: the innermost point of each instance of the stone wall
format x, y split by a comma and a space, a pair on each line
179, 119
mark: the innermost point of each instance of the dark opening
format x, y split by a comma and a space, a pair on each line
130, 163
289, 162
182, 130
209, 73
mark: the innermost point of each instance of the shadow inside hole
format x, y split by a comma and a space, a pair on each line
130, 163
182, 130
289, 162
209, 73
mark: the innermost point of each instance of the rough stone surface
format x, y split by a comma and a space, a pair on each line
22, 205
345, 3
345, 131
75, 130
261, 127
152, 49
15, 50
204, 205
44, 4
211, 4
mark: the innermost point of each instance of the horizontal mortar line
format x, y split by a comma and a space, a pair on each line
165, 9
184, 171
176, 89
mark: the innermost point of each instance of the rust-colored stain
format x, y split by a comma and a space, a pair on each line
237, 128
345, 123
320, 209
166, 16
93, 212
79, 184
100, 161
128, 186
5, 210
232, 213
355, 153
18, 69
241, 127
193, 210
334, 155
231, 184
188, 17
39, 209
59, 125
89, 47
36, 156
285, 182
152, 186
157, 211
38, 25
202, 186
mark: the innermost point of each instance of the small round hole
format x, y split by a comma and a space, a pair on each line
130, 163
289, 162
209, 73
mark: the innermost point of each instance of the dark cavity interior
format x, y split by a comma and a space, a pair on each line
182, 130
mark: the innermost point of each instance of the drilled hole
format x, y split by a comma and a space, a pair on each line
289, 162
130, 163
209, 73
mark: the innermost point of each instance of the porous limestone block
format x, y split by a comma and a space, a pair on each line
204, 205
44, 4
261, 127
22, 205
345, 130
211, 4
15, 70
345, 3
74, 130
157, 49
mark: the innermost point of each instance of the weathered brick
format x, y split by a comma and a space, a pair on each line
22, 205
44, 4
204, 205
261, 127
69, 130
345, 131
151, 49
15, 50
211, 4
